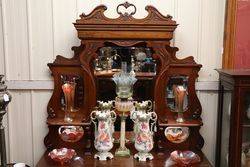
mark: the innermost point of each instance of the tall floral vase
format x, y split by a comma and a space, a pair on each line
103, 118
180, 92
69, 94
144, 131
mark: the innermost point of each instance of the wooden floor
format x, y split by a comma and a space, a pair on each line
160, 160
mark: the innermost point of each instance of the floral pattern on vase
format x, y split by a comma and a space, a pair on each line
143, 130
144, 138
104, 119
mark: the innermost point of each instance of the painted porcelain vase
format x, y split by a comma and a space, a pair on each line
143, 129
103, 118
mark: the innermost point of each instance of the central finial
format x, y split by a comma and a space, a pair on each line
126, 5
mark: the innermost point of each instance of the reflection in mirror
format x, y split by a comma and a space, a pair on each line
170, 95
79, 90
247, 108
245, 155
139, 59
225, 127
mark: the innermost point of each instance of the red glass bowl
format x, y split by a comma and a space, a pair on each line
71, 133
185, 158
62, 155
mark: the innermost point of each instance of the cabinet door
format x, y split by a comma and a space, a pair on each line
245, 107
225, 126
225, 129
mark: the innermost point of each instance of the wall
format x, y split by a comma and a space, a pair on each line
33, 32
242, 51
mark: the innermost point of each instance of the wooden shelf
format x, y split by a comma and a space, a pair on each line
188, 123
246, 125
60, 121
110, 73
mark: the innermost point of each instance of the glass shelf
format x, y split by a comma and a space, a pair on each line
60, 121
246, 125
187, 123
109, 74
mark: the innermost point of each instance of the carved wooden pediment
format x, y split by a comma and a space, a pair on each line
97, 25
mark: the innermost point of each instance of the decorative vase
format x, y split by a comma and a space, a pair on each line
179, 93
103, 118
69, 94
144, 130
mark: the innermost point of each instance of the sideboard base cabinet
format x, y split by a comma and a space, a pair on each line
233, 137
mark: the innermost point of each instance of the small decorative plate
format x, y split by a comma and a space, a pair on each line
177, 134
184, 158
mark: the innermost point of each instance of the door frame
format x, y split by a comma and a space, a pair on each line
229, 34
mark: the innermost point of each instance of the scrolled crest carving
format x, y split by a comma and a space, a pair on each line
126, 5
154, 16
97, 13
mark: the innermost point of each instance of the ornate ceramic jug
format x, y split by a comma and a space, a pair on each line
143, 129
103, 118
